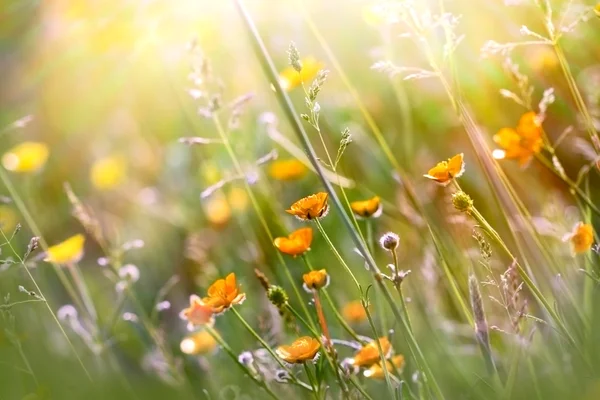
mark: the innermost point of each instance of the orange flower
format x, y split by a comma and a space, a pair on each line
303, 349
521, 143
287, 170
581, 238
315, 280
444, 172
376, 371
296, 243
198, 343
354, 312
367, 208
197, 313
289, 78
223, 294
310, 207
369, 354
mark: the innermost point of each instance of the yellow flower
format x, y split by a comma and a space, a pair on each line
68, 252
444, 172
198, 343
223, 294
8, 219
238, 199
26, 157
217, 209
376, 371
369, 354
354, 312
289, 78
521, 143
310, 207
197, 313
287, 170
296, 243
581, 238
301, 350
367, 208
108, 173
315, 280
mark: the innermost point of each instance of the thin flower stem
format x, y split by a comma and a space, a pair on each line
321, 317
35, 284
329, 300
336, 253
244, 368
311, 380
371, 246
399, 289
11, 305
261, 216
83, 292
386, 373
263, 343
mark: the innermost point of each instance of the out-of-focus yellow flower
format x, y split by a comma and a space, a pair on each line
542, 59
315, 280
289, 78
310, 207
376, 371
198, 343
287, 170
8, 219
367, 208
581, 238
224, 293
444, 172
369, 353
301, 350
211, 173
68, 252
217, 209
108, 173
296, 243
354, 312
197, 313
26, 157
521, 143
238, 199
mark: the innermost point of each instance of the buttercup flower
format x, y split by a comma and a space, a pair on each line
197, 313
581, 238
354, 312
223, 294
217, 209
108, 173
376, 370
289, 78
296, 243
68, 252
287, 170
369, 354
198, 343
301, 350
8, 219
315, 280
26, 157
367, 208
444, 172
310, 207
521, 143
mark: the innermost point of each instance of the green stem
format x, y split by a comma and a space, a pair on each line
261, 216
234, 357
313, 384
329, 300
83, 291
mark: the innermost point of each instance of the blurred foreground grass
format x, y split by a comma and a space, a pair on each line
152, 144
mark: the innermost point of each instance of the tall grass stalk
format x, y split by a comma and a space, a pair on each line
285, 102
